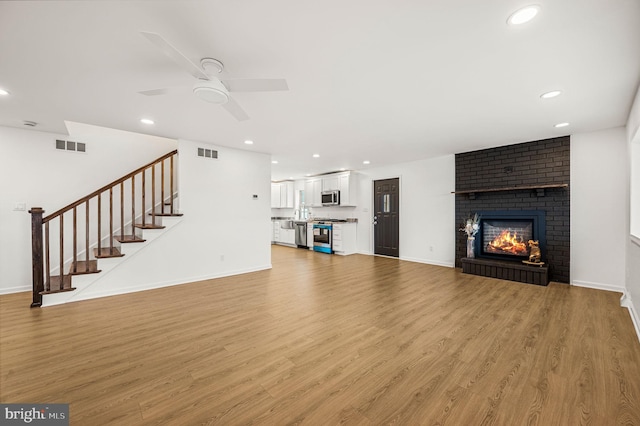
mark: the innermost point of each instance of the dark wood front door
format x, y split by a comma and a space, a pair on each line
387, 217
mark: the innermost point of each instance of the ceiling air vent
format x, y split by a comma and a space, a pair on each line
207, 153
71, 146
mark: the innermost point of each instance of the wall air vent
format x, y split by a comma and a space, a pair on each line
207, 153
71, 146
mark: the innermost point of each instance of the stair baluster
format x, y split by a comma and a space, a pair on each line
43, 281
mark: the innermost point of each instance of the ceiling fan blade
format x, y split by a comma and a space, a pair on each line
166, 91
175, 55
256, 84
236, 110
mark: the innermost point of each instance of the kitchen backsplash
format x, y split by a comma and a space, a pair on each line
319, 212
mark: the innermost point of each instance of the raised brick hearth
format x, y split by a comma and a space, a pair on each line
530, 164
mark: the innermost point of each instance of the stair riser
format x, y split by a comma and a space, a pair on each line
106, 265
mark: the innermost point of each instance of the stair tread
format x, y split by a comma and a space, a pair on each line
149, 226
130, 239
166, 214
106, 252
83, 267
58, 285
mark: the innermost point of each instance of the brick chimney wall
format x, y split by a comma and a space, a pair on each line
532, 163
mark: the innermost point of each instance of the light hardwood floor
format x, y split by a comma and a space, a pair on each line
323, 340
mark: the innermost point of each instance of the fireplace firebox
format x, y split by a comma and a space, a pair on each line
505, 234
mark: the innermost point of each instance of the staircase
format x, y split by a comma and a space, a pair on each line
74, 245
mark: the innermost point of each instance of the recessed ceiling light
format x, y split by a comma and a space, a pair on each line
524, 15
308, 174
290, 177
274, 161
3, 92
342, 169
561, 125
316, 155
551, 94
146, 121
366, 162
248, 142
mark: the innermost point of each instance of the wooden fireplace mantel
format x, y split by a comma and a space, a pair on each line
539, 189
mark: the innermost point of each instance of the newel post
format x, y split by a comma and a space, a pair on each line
36, 255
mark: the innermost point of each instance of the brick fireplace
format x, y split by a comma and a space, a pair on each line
524, 189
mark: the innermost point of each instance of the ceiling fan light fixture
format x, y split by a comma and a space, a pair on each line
211, 95
212, 91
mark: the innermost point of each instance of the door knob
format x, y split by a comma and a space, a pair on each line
375, 222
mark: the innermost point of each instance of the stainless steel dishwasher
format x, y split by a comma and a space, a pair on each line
301, 234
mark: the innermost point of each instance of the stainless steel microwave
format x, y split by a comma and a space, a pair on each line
331, 198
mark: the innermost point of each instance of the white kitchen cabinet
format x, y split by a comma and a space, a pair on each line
283, 235
288, 236
282, 194
313, 192
275, 195
276, 231
310, 235
348, 184
286, 194
331, 182
345, 182
344, 238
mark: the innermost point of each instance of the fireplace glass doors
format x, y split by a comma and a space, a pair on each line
506, 237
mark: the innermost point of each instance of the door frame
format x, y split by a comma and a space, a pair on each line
372, 231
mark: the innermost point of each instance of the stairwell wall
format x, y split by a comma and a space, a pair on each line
33, 172
224, 231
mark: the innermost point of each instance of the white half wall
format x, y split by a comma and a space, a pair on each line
599, 209
427, 209
33, 172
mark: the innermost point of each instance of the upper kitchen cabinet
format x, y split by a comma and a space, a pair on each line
282, 194
331, 182
313, 192
345, 182
348, 186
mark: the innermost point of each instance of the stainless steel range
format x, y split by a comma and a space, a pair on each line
322, 237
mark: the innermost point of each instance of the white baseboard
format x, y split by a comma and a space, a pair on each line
428, 262
599, 286
10, 290
625, 301
414, 259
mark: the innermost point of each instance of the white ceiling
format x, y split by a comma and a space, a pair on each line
379, 80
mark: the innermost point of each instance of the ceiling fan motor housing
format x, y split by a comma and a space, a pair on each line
212, 91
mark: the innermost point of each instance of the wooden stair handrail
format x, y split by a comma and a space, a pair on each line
107, 187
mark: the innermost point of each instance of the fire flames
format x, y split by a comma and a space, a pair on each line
508, 243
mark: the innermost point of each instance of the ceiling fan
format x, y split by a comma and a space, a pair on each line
208, 87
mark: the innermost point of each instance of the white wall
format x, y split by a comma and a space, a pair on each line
632, 296
224, 230
599, 209
427, 209
633, 136
32, 171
